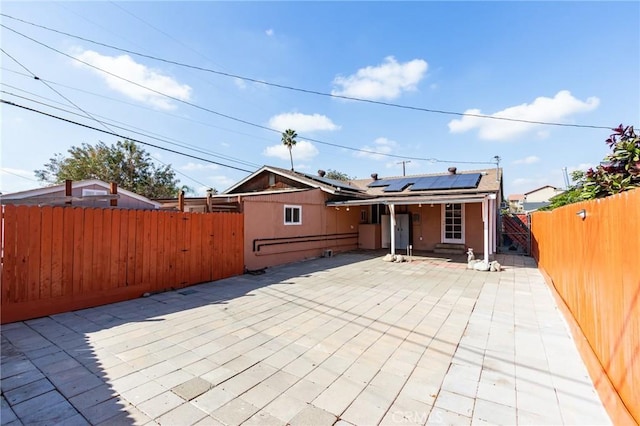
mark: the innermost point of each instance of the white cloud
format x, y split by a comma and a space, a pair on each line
302, 122
385, 81
197, 166
527, 160
269, 32
124, 66
221, 182
556, 109
240, 83
302, 151
380, 146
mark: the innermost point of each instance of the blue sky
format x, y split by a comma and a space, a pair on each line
568, 62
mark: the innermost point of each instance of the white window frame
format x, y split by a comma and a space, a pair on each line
293, 208
88, 192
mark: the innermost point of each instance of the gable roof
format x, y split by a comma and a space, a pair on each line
484, 182
541, 188
331, 186
75, 184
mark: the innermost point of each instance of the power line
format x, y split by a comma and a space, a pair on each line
297, 89
235, 118
202, 123
81, 109
16, 174
120, 136
132, 129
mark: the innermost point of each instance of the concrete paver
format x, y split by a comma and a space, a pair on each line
348, 340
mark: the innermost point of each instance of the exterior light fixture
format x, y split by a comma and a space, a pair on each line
337, 208
347, 208
420, 205
582, 214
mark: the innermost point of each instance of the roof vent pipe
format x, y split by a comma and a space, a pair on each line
374, 176
321, 173
452, 170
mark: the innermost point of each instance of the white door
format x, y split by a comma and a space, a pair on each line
453, 223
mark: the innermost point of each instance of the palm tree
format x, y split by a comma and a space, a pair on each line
289, 140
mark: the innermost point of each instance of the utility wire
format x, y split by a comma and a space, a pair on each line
308, 91
87, 114
202, 123
51, 87
16, 174
135, 130
120, 136
434, 160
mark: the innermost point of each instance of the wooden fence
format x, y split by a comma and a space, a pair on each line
594, 265
57, 259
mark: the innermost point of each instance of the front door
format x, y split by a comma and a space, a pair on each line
453, 223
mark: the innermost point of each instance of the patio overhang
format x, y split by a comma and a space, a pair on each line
416, 200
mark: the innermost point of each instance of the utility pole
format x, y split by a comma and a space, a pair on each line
497, 158
566, 178
403, 163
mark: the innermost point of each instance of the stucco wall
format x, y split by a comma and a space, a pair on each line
541, 195
269, 242
426, 231
474, 227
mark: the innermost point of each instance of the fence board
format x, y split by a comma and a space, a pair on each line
33, 257
57, 243
78, 267
69, 258
594, 265
114, 249
122, 249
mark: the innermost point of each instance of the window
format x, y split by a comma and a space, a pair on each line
87, 192
292, 215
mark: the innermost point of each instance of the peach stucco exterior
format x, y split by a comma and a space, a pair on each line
269, 241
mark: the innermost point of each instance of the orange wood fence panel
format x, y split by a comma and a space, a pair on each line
58, 259
594, 265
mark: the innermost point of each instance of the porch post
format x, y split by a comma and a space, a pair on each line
392, 227
485, 226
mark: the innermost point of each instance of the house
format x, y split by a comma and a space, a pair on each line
83, 193
516, 203
539, 197
291, 215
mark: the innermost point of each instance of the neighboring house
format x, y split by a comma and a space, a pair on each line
516, 203
83, 193
539, 197
291, 216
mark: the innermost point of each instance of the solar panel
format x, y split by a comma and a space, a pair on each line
380, 183
428, 183
423, 183
398, 185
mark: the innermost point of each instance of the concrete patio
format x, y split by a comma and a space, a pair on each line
343, 340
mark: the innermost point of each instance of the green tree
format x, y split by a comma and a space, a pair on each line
620, 170
289, 140
336, 175
124, 163
573, 194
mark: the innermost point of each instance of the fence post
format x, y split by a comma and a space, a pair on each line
68, 190
113, 188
